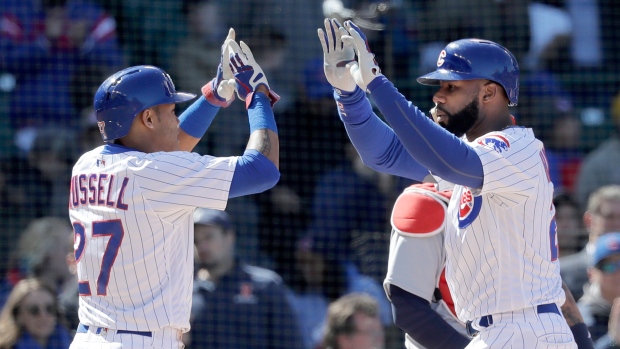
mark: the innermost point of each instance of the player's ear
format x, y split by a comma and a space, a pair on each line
147, 117
489, 90
587, 219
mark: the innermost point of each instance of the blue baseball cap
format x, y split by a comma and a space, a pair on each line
218, 218
606, 245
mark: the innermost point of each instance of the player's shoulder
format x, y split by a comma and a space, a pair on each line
508, 140
420, 210
262, 275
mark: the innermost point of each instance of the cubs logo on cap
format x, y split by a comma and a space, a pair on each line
440, 59
606, 245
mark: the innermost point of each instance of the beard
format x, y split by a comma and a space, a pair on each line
460, 122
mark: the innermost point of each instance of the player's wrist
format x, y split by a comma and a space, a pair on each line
209, 91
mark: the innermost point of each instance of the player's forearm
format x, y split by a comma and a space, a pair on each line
428, 143
575, 320
414, 316
569, 308
194, 122
263, 129
375, 141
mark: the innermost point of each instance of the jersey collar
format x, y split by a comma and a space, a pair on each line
111, 149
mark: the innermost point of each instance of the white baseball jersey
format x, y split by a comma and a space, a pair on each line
132, 216
417, 255
501, 239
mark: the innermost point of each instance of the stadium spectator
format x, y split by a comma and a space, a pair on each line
42, 44
45, 251
235, 305
611, 340
600, 166
602, 216
323, 279
603, 286
572, 236
30, 318
148, 30
352, 201
312, 141
353, 323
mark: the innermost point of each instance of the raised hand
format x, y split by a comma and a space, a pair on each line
221, 90
366, 68
337, 56
247, 73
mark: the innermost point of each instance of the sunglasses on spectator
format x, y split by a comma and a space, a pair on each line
609, 267
36, 310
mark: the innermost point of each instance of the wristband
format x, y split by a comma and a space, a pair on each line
210, 93
259, 115
273, 98
582, 336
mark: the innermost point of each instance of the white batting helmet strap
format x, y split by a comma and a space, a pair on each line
420, 211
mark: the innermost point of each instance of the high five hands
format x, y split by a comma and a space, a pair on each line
237, 72
340, 46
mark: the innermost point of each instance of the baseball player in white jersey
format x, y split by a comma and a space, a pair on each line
415, 282
132, 200
501, 244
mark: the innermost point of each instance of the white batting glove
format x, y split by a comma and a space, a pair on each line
366, 68
336, 56
221, 90
248, 74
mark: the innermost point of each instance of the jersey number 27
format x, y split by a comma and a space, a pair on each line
112, 229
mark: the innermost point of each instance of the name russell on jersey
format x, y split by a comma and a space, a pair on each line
94, 189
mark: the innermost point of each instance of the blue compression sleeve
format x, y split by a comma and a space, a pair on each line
260, 113
197, 118
432, 146
582, 336
413, 315
254, 174
375, 141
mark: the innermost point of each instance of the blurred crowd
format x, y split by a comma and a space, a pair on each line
323, 231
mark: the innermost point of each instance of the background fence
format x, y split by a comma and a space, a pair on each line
55, 53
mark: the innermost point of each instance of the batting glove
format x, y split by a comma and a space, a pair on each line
248, 74
337, 56
221, 90
366, 68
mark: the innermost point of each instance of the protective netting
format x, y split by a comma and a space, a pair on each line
324, 229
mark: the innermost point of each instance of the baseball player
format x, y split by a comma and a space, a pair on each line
415, 282
501, 243
132, 199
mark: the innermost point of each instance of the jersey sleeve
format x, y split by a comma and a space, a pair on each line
513, 162
184, 180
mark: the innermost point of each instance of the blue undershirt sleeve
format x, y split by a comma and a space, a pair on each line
376, 142
432, 146
254, 174
582, 336
414, 315
197, 118
260, 113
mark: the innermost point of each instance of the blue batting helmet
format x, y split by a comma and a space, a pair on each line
125, 94
471, 59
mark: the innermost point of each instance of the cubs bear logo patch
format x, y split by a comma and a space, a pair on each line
497, 142
469, 208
